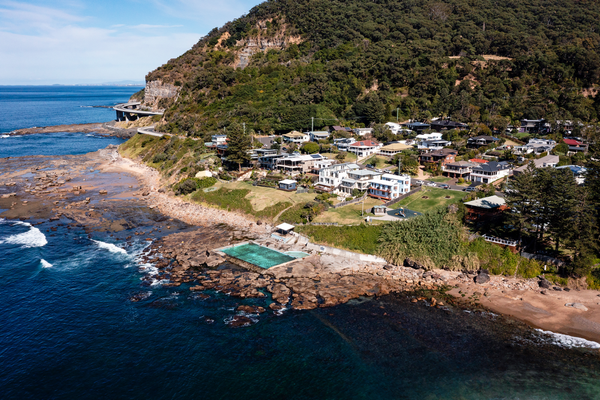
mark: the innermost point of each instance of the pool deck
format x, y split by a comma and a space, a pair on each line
248, 265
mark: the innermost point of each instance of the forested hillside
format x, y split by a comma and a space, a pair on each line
357, 61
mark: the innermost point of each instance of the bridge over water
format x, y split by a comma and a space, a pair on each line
132, 111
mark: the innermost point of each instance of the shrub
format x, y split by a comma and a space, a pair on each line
530, 268
205, 182
431, 239
461, 180
186, 186
160, 157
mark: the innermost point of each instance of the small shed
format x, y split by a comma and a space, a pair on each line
285, 228
379, 210
289, 185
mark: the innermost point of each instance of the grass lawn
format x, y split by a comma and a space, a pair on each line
349, 214
435, 198
380, 162
263, 197
350, 157
511, 143
522, 135
440, 179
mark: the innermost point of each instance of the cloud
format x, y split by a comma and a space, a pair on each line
41, 45
74, 54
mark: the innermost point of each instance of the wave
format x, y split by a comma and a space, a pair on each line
110, 247
569, 341
32, 238
45, 264
4, 136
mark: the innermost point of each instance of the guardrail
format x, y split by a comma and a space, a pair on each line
492, 239
346, 203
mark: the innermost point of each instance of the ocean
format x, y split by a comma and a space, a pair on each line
71, 330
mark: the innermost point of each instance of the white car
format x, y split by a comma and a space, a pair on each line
431, 184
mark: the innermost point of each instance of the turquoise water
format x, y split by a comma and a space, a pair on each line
297, 254
258, 255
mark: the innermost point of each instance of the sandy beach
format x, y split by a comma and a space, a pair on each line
105, 191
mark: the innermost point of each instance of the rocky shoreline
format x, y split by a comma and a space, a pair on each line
104, 192
106, 128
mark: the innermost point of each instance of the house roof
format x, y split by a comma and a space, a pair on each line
448, 124
462, 164
486, 137
416, 124
364, 172
572, 142
294, 134
285, 227
396, 147
442, 152
492, 166
288, 181
489, 203
340, 128
394, 177
540, 162
365, 143
478, 160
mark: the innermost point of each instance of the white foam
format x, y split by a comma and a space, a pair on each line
569, 341
4, 136
45, 264
32, 238
110, 247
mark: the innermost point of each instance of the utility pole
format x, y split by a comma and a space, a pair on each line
312, 127
397, 109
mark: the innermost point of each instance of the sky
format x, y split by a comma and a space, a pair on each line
100, 41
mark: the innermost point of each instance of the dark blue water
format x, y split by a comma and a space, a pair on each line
70, 330
29, 106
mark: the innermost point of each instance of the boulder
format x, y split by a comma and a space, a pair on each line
412, 264
482, 277
239, 321
544, 284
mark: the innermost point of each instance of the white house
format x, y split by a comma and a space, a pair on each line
343, 143
358, 179
490, 172
296, 137
219, 139
331, 177
319, 135
429, 136
389, 187
364, 148
394, 127
363, 131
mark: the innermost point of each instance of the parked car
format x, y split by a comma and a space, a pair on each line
444, 186
470, 189
431, 184
419, 182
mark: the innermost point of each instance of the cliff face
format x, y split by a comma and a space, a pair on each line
355, 62
156, 91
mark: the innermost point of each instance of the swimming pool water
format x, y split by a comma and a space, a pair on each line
260, 256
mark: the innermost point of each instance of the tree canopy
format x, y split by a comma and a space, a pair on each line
353, 62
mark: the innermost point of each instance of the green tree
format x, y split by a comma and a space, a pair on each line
238, 145
521, 196
309, 148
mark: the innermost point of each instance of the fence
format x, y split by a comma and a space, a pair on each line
492, 239
345, 203
389, 203
542, 258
